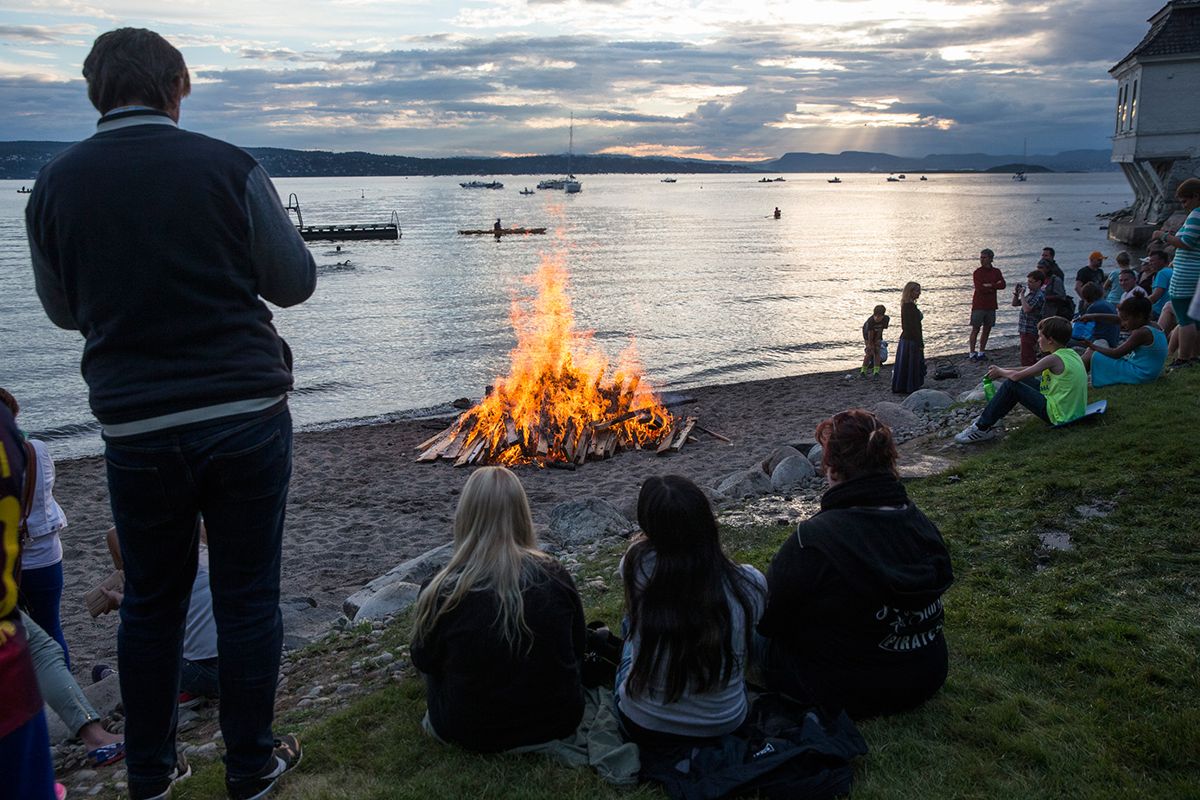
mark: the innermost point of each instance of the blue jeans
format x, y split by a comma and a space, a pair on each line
1008, 394
25, 762
41, 596
235, 473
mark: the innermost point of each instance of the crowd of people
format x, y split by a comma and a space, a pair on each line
1127, 326
189, 380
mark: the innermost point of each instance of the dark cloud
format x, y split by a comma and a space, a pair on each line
1041, 76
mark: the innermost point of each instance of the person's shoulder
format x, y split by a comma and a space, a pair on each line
218, 147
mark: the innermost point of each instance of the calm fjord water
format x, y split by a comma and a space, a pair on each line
711, 287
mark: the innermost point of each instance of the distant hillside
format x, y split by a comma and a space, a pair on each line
22, 160
855, 161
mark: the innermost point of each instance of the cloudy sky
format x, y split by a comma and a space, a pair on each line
729, 79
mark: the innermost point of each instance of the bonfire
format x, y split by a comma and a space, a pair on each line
561, 401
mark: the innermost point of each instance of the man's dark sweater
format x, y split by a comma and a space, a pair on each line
157, 244
487, 698
855, 610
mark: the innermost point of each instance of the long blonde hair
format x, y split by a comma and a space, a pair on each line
494, 546
909, 295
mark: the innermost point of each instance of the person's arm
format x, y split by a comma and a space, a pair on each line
286, 272
49, 286
1139, 338
1078, 288
977, 279
1019, 374
1103, 318
1000, 282
1156, 295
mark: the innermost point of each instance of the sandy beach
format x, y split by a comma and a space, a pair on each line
360, 504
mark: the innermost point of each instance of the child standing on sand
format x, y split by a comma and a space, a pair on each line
872, 331
1060, 395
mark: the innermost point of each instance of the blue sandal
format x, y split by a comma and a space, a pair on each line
108, 754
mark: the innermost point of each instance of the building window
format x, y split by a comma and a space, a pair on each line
1133, 106
1121, 108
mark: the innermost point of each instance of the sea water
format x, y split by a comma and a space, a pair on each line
711, 287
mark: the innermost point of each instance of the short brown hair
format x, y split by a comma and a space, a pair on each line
1189, 188
133, 65
1057, 329
856, 443
1037, 275
1091, 291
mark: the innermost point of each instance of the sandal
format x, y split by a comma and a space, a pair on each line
107, 754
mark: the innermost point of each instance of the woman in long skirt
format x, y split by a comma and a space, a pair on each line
908, 374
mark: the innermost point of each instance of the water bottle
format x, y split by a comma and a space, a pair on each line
989, 391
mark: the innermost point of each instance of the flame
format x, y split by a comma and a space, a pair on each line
560, 394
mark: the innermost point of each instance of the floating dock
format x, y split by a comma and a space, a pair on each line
343, 233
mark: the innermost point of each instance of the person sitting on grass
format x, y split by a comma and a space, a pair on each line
1096, 314
691, 617
872, 338
1138, 359
854, 616
498, 633
1058, 398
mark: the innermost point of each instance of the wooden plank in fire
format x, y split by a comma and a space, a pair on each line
434, 452
667, 439
432, 440
610, 446
472, 452
682, 437
511, 436
585, 441
628, 415
570, 439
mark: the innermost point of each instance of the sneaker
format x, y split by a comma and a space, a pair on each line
101, 671
973, 434
981, 356
163, 791
971, 355
287, 755
188, 700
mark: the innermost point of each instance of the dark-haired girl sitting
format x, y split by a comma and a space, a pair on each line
691, 615
854, 619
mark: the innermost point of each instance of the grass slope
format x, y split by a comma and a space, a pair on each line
1073, 673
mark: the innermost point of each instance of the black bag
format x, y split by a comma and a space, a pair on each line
601, 655
945, 372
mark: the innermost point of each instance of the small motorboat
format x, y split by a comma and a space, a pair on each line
481, 185
772, 180
667, 180
892, 179
834, 180
526, 191
902, 176
24, 190
924, 178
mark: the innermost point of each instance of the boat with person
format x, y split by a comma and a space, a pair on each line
834, 180
667, 180
481, 185
526, 191
24, 190
924, 178
498, 232
892, 179
772, 180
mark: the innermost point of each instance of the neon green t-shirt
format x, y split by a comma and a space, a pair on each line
1066, 394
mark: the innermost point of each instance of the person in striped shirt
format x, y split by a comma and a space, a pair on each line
1186, 265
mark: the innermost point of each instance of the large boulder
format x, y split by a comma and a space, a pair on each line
772, 461
791, 471
815, 454
975, 395
591, 519
415, 570
747, 483
927, 400
304, 621
895, 416
388, 601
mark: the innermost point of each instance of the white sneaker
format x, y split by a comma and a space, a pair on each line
973, 434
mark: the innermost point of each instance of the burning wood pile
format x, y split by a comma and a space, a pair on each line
560, 403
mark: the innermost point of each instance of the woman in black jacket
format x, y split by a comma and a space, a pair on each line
499, 632
854, 612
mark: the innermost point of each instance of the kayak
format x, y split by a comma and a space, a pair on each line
502, 231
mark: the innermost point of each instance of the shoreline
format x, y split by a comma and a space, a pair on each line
360, 504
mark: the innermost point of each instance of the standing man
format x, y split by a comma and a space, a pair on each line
1055, 290
1092, 273
159, 246
988, 280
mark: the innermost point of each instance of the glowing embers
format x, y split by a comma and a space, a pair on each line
560, 403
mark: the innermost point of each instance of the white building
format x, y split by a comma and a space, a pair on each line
1156, 135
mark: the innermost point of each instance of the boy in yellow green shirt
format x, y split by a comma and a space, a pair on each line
1054, 387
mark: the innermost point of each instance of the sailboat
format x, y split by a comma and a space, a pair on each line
1020, 174
569, 184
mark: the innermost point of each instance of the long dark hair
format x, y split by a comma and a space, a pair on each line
682, 613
